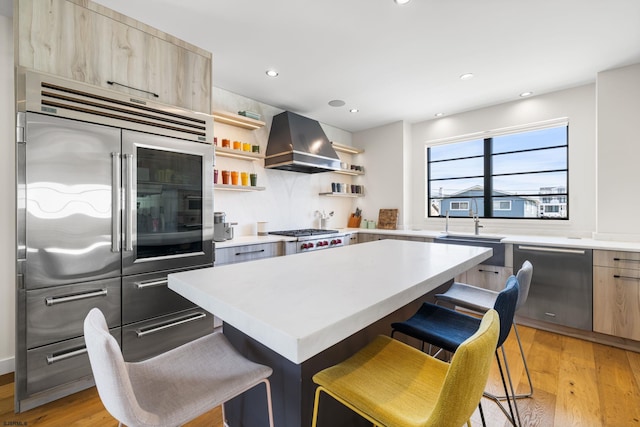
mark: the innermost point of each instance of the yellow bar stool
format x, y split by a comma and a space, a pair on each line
390, 383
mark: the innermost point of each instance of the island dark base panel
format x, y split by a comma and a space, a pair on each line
291, 385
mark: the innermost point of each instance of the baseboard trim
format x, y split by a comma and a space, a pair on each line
7, 366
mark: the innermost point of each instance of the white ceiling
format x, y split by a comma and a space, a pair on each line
398, 62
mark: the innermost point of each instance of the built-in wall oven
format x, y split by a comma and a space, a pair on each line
113, 194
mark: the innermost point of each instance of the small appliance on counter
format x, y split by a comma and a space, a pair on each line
222, 230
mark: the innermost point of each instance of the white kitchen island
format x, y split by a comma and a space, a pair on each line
301, 313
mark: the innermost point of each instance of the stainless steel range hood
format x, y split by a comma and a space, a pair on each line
299, 144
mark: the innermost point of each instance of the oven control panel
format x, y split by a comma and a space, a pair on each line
317, 244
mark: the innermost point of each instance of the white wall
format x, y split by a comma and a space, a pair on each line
384, 178
577, 104
7, 195
291, 199
618, 151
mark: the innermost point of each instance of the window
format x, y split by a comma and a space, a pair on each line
502, 205
459, 206
516, 174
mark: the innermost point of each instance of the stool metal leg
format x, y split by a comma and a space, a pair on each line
509, 397
484, 423
526, 369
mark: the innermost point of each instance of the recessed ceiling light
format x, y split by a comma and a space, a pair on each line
466, 76
402, 1
337, 103
439, 114
272, 73
353, 110
525, 94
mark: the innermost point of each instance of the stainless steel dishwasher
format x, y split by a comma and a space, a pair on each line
562, 286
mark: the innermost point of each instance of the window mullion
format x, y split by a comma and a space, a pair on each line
488, 178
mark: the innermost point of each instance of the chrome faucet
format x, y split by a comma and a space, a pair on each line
476, 218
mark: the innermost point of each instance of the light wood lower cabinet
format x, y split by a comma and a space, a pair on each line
616, 294
244, 253
491, 277
83, 41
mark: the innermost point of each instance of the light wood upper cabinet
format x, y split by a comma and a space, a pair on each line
616, 293
87, 42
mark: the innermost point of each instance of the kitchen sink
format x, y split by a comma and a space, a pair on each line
492, 242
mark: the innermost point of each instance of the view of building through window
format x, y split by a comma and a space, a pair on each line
517, 175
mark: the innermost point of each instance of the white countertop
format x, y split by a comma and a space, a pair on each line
567, 242
302, 304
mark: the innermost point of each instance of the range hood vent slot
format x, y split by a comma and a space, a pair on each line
66, 98
298, 144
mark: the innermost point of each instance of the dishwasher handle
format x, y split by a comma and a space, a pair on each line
556, 250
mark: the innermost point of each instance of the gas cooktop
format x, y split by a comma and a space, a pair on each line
304, 232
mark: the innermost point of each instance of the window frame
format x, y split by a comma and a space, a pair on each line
488, 197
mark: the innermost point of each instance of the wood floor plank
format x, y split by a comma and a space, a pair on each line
634, 364
617, 389
577, 400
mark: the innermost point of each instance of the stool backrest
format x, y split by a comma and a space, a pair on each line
524, 276
111, 374
467, 375
505, 305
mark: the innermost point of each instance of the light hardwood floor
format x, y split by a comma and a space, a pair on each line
577, 383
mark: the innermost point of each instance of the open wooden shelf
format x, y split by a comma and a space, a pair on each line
330, 194
230, 187
349, 172
238, 154
346, 148
236, 120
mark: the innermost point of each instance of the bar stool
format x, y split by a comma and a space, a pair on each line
173, 387
390, 383
480, 300
447, 329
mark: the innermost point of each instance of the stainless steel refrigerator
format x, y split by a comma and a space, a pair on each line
113, 193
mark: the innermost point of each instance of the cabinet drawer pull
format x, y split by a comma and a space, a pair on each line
626, 259
558, 250
151, 283
49, 301
112, 83
550, 314
487, 271
53, 358
257, 251
619, 276
153, 329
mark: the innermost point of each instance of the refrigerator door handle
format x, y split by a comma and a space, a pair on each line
128, 203
116, 184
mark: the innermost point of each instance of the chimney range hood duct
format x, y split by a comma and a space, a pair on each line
299, 144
